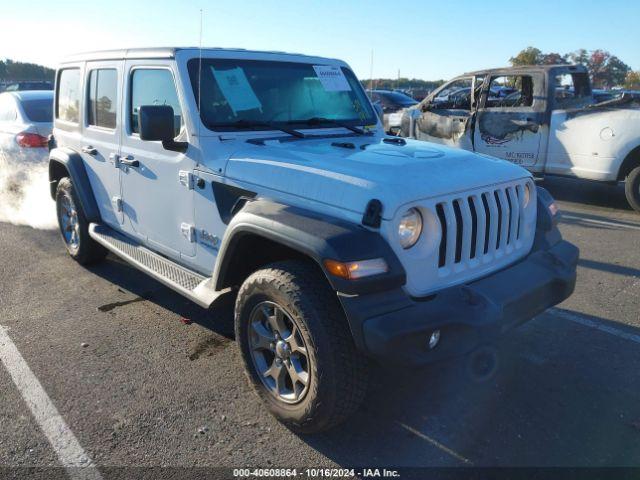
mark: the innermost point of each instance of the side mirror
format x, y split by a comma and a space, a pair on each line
379, 111
157, 123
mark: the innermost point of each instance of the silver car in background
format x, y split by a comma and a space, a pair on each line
25, 124
393, 104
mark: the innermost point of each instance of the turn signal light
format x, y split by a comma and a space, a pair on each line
355, 270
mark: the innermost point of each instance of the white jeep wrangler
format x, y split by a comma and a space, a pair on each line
267, 176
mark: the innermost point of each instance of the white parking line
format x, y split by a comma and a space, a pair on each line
600, 222
587, 322
70, 453
436, 443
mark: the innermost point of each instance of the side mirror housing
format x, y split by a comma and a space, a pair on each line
157, 123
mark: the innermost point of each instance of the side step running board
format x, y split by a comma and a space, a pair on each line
184, 281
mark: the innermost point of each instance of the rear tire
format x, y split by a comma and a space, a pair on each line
74, 227
281, 311
632, 188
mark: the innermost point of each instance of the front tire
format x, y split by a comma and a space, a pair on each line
74, 227
632, 188
297, 348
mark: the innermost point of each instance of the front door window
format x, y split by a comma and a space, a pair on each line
154, 87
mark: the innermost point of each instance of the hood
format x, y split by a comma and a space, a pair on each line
349, 178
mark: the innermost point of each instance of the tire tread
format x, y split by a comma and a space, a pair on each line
310, 292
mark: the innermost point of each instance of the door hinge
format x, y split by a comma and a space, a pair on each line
188, 231
114, 159
117, 203
186, 179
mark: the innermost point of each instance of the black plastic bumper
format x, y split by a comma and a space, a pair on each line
393, 327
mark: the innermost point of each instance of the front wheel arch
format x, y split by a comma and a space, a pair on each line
249, 253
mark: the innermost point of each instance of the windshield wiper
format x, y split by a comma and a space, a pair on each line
242, 124
331, 121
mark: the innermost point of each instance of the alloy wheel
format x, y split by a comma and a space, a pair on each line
68, 219
278, 352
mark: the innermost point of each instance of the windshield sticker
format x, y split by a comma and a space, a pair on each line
236, 89
332, 78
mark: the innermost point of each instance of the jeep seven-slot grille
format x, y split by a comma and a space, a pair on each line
480, 224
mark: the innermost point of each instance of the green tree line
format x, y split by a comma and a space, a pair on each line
606, 70
401, 84
12, 71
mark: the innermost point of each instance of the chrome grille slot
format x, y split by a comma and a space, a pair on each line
479, 225
501, 219
474, 228
459, 230
493, 222
442, 255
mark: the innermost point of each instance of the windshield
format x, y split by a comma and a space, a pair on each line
248, 94
38, 110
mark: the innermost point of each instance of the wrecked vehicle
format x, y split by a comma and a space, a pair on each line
268, 176
549, 123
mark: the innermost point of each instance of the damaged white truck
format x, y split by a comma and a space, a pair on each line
268, 176
543, 118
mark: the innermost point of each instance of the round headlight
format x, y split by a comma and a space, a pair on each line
527, 194
410, 228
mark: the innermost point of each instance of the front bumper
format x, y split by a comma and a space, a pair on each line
392, 327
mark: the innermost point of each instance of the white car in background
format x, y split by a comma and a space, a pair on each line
25, 124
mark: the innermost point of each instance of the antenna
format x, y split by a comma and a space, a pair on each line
200, 77
371, 73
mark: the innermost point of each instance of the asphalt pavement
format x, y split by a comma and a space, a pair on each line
141, 377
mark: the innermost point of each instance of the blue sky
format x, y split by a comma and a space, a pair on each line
422, 39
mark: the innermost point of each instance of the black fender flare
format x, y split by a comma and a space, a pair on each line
67, 159
314, 235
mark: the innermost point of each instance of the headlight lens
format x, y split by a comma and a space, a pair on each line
410, 228
527, 194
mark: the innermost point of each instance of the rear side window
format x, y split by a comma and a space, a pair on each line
510, 91
103, 91
40, 110
68, 106
154, 87
572, 90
